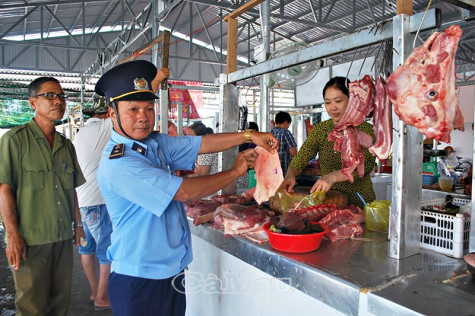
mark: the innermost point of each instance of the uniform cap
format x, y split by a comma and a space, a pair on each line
130, 81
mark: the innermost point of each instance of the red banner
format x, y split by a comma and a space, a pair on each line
191, 100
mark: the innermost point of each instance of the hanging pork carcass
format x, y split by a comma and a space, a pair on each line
422, 90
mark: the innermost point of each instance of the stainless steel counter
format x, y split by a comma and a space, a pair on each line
342, 274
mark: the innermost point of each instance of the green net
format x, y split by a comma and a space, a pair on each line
14, 112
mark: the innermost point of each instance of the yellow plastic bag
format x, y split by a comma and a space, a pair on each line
377, 215
282, 201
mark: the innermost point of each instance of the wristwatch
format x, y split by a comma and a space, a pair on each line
247, 135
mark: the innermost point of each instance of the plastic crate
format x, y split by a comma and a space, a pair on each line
444, 233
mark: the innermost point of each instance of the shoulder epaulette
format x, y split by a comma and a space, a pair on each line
117, 151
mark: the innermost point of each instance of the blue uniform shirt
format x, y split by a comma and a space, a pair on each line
151, 237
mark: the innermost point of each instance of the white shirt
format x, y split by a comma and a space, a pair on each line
89, 143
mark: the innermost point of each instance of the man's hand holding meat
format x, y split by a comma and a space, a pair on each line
218, 142
244, 161
198, 187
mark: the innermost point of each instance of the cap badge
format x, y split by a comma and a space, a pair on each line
140, 84
141, 150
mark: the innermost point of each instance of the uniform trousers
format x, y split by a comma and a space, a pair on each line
43, 281
130, 296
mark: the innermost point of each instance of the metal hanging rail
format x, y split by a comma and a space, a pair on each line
340, 45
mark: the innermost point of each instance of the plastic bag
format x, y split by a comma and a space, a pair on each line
284, 202
377, 215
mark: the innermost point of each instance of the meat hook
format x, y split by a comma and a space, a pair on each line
356, 50
420, 25
362, 64
376, 56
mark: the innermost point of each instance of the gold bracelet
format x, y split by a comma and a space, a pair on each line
247, 135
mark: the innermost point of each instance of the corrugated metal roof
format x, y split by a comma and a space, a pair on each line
197, 19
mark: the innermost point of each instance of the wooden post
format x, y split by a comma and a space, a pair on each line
404, 7
165, 53
243, 9
231, 59
144, 48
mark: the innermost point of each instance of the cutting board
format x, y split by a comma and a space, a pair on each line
331, 197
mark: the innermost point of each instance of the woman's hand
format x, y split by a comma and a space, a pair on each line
290, 180
265, 140
324, 184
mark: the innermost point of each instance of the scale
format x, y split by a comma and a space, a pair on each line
430, 167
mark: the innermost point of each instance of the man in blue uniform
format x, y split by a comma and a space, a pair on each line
150, 242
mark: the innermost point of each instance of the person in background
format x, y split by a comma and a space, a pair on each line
336, 97
254, 127
468, 182
287, 144
450, 157
243, 182
39, 172
89, 143
151, 242
172, 129
205, 163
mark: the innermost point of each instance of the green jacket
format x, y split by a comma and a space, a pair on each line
43, 182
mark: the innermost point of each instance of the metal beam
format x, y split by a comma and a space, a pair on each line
338, 46
62, 25
18, 22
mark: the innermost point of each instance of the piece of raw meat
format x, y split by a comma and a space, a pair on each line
201, 210
422, 90
268, 174
315, 213
382, 122
227, 198
350, 142
249, 194
235, 219
341, 224
259, 236
360, 103
348, 139
198, 207
358, 213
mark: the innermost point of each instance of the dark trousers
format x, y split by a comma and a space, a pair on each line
43, 281
138, 296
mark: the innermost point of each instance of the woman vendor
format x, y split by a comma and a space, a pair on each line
336, 96
205, 163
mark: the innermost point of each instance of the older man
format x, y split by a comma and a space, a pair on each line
151, 242
38, 176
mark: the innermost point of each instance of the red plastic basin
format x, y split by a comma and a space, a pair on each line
295, 243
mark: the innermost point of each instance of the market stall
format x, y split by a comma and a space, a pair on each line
372, 274
353, 277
